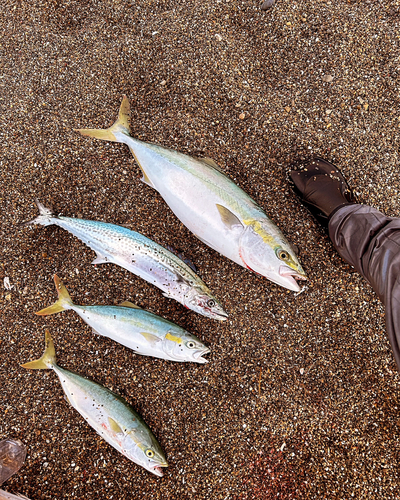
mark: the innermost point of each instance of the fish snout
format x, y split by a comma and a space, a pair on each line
288, 277
221, 315
198, 355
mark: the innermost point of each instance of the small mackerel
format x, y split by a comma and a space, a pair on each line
108, 413
141, 256
140, 330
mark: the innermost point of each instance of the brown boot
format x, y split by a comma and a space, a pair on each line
321, 188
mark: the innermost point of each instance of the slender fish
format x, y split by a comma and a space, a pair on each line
141, 256
210, 205
108, 413
144, 332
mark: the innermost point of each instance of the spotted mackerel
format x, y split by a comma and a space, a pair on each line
141, 256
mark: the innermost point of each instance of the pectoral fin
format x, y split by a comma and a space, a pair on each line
114, 426
129, 304
228, 218
152, 339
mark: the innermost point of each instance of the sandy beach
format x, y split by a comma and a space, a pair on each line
301, 395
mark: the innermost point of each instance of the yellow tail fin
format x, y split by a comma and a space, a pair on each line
121, 125
47, 360
64, 300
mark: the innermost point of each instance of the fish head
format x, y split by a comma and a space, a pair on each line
265, 251
200, 300
183, 346
141, 447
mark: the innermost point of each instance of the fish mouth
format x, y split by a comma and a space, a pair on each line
157, 469
220, 315
290, 277
198, 355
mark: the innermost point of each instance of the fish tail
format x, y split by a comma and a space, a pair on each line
45, 216
64, 300
121, 125
48, 359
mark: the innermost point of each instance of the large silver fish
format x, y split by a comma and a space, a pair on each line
211, 205
108, 413
144, 332
140, 256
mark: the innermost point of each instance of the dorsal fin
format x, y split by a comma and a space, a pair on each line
211, 163
129, 304
186, 260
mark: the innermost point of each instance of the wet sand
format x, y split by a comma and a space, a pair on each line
300, 398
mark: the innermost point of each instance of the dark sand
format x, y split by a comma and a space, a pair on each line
301, 395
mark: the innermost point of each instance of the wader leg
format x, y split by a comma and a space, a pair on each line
370, 242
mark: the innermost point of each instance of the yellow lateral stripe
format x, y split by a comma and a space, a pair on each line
270, 240
173, 338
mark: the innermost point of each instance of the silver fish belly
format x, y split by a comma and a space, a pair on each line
211, 205
141, 256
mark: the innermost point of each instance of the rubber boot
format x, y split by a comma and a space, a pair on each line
322, 188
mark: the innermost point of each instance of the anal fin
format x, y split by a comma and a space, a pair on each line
101, 259
145, 178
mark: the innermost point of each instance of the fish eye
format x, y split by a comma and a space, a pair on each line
149, 453
282, 255
190, 344
211, 303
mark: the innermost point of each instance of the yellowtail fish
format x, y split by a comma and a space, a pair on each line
141, 256
210, 205
108, 413
144, 332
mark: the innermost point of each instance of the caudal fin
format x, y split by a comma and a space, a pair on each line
48, 359
121, 125
45, 216
64, 300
